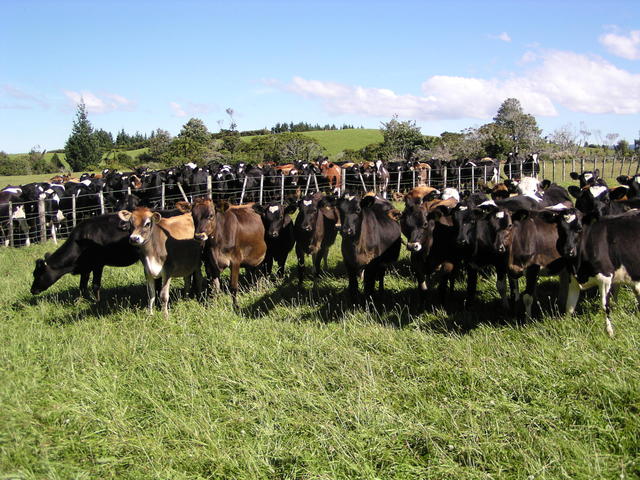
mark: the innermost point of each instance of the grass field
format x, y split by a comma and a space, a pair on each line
302, 384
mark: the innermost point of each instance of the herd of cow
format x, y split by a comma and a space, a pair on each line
519, 228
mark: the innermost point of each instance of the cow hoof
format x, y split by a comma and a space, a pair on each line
610, 328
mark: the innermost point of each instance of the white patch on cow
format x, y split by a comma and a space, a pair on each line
19, 212
414, 247
55, 198
534, 157
153, 266
15, 190
378, 164
621, 275
500, 215
597, 190
450, 193
472, 164
423, 286
42, 196
558, 207
40, 189
588, 176
86, 182
569, 218
528, 186
60, 216
191, 165
488, 203
348, 197
307, 202
49, 191
273, 208
534, 196
463, 208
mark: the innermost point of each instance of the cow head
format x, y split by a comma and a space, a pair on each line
593, 201
275, 217
142, 221
569, 224
350, 208
308, 212
204, 218
44, 276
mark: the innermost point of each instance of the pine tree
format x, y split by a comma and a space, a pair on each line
82, 148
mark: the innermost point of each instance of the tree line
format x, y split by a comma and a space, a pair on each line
512, 131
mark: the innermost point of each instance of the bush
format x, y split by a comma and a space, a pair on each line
14, 165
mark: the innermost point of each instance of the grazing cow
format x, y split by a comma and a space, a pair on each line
600, 253
278, 233
93, 244
167, 249
370, 240
233, 236
315, 230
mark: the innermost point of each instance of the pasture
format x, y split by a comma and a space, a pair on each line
304, 384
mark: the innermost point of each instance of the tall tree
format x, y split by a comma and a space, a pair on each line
193, 142
401, 138
81, 148
521, 128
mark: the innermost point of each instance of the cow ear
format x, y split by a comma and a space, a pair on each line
574, 190
124, 215
156, 217
478, 213
184, 207
618, 193
520, 215
367, 201
544, 184
623, 180
46, 256
394, 214
596, 172
259, 209
575, 175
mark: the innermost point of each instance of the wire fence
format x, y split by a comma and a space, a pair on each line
24, 223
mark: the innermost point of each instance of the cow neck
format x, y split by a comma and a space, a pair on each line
65, 256
366, 247
155, 248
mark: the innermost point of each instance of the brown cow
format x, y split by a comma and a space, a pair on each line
333, 174
167, 250
234, 237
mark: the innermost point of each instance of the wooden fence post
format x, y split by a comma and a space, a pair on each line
162, 195
42, 220
244, 186
581, 165
563, 169
315, 181
281, 188
444, 178
553, 170
101, 199
413, 176
573, 164
184, 195
459, 178
260, 195
544, 168
473, 182
344, 180
399, 175
429, 176
594, 164
209, 187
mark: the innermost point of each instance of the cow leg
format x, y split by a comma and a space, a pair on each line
352, 273
151, 292
381, 272
514, 290
97, 281
164, 295
501, 286
317, 261
235, 273
563, 287
300, 255
326, 259
84, 283
370, 275
573, 293
530, 289
186, 292
53, 233
604, 284
472, 284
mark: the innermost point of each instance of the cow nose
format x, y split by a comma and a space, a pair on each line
135, 239
501, 249
307, 228
414, 246
273, 234
201, 236
462, 243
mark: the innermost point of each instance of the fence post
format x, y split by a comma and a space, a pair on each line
101, 198
520, 170
306, 188
511, 171
315, 181
544, 168
573, 164
581, 165
629, 167
73, 210
444, 177
473, 180
181, 191
281, 188
413, 177
209, 187
594, 163
613, 167
261, 189
162, 195
42, 220
364, 186
459, 178
563, 169
344, 180
11, 241
553, 170
399, 175
429, 176
244, 186
484, 174
637, 165
603, 166
374, 182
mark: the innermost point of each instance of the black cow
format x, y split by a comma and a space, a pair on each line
370, 240
278, 233
92, 244
600, 253
315, 230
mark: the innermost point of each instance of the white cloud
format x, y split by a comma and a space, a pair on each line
191, 108
106, 102
623, 46
577, 82
504, 36
27, 99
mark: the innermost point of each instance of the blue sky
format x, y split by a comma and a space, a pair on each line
146, 65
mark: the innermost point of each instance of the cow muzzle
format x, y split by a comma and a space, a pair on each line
501, 249
414, 246
274, 234
202, 237
136, 239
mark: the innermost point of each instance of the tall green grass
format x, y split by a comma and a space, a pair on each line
302, 383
